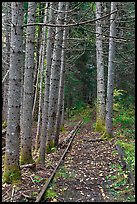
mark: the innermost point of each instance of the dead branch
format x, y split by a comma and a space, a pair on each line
94, 140
69, 25
31, 166
12, 194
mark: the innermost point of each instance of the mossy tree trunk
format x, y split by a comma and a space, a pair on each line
49, 54
111, 72
11, 161
100, 112
26, 155
55, 78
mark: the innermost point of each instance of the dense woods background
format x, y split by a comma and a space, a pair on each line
57, 58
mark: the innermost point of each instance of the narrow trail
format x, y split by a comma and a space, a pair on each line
88, 164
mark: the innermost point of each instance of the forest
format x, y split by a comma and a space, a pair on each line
68, 101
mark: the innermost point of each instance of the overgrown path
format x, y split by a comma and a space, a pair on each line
87, 165
80, 178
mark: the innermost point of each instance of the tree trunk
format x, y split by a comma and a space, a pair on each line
54, 80
111, 72
100, 112
26, 156
62, 112
49, 54
22, 81
7, 60
36, 71
11, 162
61, 85
41, 66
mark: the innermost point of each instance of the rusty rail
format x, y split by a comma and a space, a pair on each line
73, 133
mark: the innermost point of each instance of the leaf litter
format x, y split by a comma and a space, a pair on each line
88, 164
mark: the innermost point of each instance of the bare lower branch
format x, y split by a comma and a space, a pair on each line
69, 25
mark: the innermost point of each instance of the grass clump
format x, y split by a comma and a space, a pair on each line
50, 194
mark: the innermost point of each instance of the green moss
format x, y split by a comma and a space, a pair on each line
50, 194
106, 136
12, 174
62, 129
4, 124
127, 146
25, 159
50, 146
100, 126
38, 160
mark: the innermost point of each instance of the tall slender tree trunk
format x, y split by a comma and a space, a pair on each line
100, 112
61, 85
11, 162
62, 111
111, 72
7, 22
54, 80
49, 55
41, 64
26, 155
36, 71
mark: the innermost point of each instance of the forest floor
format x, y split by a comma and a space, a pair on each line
87, 165
82, 177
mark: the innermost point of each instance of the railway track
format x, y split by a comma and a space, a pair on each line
69, 140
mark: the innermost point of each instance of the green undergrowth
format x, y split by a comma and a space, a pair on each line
82, 112
118, 184
129, 153
50, 194
50, 146
124, 131
124, 127
124, 116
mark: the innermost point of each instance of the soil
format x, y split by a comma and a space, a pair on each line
87, 164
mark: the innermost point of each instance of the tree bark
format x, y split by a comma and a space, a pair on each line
36, 71
7, 59
41, 66
54, 80
61, 85
62, 111
100, 111
26, 156
11, 162
49, 55
111, 72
